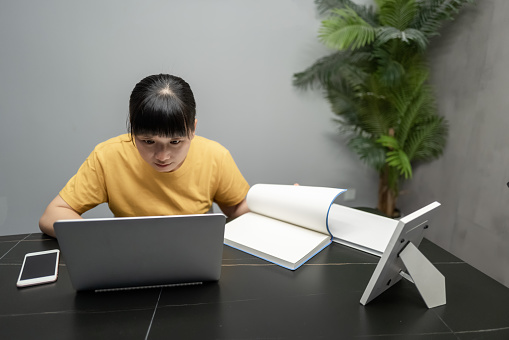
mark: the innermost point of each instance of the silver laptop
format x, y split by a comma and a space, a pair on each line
134, 252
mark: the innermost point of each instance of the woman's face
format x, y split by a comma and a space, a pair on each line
162, 153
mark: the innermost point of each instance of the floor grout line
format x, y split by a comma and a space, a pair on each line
154, 314
14, 246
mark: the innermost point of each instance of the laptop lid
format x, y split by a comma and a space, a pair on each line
127, 252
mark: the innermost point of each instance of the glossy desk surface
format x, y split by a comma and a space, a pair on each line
254, 300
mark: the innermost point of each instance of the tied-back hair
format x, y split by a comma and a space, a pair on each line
162, 105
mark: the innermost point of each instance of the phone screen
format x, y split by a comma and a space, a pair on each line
39, 266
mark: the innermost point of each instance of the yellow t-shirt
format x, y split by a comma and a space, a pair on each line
115, 173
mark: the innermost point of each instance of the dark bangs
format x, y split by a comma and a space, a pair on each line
162, 105
165, 118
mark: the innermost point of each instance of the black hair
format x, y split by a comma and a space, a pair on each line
162, 105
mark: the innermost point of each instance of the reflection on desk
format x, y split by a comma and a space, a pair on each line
255, 300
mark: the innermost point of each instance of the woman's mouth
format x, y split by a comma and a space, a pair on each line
162, 166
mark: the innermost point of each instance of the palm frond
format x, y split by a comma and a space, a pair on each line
319, 73
367, 13
388, 142
390, 72
395, 156
332, 69
376, 108
373, 115
408, 36
413, 100
343, 104
398, 159
419, 105
398, 13
346, 30
427, 140
387, 33
370, 152
364, 112
432, 14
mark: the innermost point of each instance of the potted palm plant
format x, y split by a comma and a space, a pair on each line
376, 82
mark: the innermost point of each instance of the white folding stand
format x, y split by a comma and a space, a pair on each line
428, 280
401, 258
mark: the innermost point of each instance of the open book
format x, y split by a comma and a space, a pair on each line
287, 224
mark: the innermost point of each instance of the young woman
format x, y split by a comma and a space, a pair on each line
159, 168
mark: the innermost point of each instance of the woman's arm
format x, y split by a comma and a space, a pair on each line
236, 210
58, 209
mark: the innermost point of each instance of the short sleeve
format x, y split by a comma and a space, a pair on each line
232, 187
86, 189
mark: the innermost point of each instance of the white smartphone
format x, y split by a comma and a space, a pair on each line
40, 267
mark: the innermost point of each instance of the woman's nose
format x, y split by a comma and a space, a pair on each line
162, 154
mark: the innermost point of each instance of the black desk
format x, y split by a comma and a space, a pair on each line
254, 300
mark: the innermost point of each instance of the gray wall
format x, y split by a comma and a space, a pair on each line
471, 78
67, 69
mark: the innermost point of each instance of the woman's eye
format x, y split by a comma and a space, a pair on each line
175, 142
148, 141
